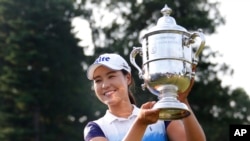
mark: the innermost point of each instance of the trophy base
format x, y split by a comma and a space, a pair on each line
171, 109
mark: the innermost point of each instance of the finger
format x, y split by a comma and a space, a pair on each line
148, 105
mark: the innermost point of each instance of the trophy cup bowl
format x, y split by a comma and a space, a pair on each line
168, 63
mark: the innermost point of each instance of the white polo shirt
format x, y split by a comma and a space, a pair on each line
115, 128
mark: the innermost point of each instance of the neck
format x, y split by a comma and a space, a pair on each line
122, 110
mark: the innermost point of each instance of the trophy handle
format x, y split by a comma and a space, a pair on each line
133, 54
201, 46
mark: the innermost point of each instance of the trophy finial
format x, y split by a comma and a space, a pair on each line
166, 19
166, 11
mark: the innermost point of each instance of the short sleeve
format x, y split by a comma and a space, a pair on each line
166, 123
92, 130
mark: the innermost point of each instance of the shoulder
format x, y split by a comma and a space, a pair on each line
91, 130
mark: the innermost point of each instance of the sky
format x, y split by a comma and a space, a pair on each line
232, 40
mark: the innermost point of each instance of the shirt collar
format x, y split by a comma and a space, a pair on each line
110, 117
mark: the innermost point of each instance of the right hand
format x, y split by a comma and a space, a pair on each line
147, 114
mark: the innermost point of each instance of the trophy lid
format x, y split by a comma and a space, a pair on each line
165, 23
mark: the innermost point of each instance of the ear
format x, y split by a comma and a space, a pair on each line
129, 79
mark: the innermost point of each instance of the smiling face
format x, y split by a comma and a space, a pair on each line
111, 87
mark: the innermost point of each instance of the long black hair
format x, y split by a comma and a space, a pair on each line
130, 88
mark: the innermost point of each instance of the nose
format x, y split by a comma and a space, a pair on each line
105, 84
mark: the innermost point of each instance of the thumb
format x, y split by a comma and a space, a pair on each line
148, 105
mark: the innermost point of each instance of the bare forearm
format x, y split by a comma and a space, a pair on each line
193, 129
136, 132
146, 117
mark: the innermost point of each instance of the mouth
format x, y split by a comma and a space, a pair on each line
108, 93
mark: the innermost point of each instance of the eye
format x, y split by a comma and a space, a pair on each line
111, 76
97, 80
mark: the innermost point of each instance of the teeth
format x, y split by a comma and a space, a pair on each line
108, 93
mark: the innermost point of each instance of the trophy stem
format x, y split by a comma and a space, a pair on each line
170, 107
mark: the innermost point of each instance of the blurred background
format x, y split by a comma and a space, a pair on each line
47, 45
231, 39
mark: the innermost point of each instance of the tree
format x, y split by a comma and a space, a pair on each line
41, 76
44, 92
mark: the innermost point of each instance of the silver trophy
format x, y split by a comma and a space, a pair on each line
168, 62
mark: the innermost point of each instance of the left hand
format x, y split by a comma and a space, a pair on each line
182, 96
